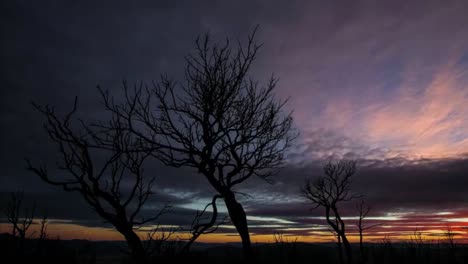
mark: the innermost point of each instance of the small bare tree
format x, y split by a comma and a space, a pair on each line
219, 121
450, 237
451, 244
158, 240
329, 192
115, 188
199, 228
363, 210
43, 235
19, 217
286, 247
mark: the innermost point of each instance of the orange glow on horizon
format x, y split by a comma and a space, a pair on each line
67, 231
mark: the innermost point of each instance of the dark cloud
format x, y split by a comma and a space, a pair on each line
322, 52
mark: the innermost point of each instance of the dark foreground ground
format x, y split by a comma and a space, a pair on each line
81, 251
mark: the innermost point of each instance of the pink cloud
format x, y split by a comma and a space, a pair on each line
396, 83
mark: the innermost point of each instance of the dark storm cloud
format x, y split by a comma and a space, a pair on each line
53, 51
70, 207
322, 51
54, 205
439, 185
413, 185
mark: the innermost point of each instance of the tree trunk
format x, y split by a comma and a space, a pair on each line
363, 258
186, 248
22, 238
239, 220
341, 232
135, 245
348, 249
204, 227
340, 249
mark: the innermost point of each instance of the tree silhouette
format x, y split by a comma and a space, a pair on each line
43, 230
158, 241
199, 228
339, 244
105, 167
329, 192
363, 210
219, 121
43, 235
20, 217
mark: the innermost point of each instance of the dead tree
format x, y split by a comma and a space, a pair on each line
451, 244
329, 192
450, 237
43, 230
219, 122
158, 241
198, 228
19, 217
105, 167
43, 235
363, 210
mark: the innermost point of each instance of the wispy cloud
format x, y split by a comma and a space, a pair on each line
392, 79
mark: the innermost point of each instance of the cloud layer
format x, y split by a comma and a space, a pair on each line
384, 84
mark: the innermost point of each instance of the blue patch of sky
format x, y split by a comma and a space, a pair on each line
463, 61
389, 74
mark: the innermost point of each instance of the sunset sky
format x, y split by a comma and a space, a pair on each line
382, 82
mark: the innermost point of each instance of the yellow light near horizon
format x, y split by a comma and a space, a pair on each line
461, 219
69, 231
72, 231
445, 213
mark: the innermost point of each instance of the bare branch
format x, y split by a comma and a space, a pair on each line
103, 162
19, 216
329, 191
218, 121
197, 228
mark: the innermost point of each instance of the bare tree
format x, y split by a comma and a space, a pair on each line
363, 210
20, 217
199, 228
43, 230
105, 167
451, 244
329, 192
43, 234
219, 121
450, 237
285, 249
157, 240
